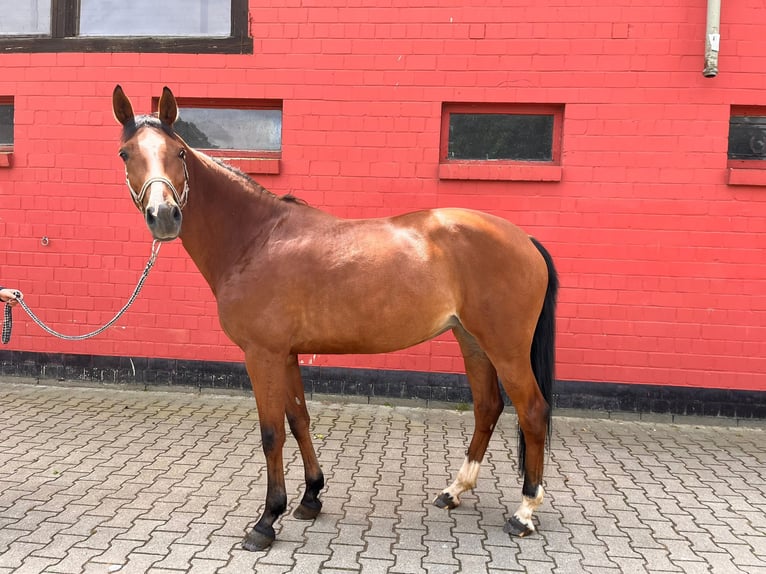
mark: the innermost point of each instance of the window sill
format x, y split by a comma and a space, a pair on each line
739, 176
499, 171
6, 159
180, 44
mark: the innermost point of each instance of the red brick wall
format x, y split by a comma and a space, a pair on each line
662, 263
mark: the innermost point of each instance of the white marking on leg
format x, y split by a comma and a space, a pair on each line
466, 480
528, 506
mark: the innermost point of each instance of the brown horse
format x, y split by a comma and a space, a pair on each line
290, 279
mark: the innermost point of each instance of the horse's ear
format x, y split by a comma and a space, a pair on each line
168, 108
123, 111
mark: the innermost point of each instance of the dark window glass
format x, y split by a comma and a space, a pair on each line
235, 129
520, 137
6, 124
747, 137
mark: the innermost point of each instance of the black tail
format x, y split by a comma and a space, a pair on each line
543, 355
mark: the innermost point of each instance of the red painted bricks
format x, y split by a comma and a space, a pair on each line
659, 247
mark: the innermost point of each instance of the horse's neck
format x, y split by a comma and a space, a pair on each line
224, 218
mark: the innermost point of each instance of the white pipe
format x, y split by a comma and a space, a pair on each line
712, 38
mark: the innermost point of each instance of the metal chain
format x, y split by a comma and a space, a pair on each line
7, 324
20, 298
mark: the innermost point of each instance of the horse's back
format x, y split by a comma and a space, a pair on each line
479, 241
460, 221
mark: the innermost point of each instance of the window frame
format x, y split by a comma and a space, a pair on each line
6, 150
501, 169
745, 171
65, 16
248, 161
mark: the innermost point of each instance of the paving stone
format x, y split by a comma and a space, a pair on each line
161, 482
35, 564
17, 552
440, 553
308, 563
205, 566
343, 556
75, 561
139, 562
408, 561
281, 554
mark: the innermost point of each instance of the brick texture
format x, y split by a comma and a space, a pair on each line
661, 260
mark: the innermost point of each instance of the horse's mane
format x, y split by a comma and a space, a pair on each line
131, 127
288, 197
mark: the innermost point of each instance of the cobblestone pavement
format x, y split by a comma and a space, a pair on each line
105, 480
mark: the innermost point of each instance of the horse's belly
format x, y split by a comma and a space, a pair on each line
380, 332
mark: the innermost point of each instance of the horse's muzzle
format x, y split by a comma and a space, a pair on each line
164, 221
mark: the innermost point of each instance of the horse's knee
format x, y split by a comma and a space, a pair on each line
269, 439
276, 496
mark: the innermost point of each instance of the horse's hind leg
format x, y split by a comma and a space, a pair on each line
298, 419
533, 412
487, 406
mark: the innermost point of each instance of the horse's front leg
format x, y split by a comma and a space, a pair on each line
269, 377
298, 418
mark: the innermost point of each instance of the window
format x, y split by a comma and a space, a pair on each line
501, 141
117, 26
747, 137
517, 137
25, 18
747, 146
246, 133
169, 18
6, 131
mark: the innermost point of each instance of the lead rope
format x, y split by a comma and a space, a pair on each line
8, 319
7, 324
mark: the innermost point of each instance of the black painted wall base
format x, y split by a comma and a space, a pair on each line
430, 387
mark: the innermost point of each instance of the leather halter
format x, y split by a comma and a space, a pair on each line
180, 198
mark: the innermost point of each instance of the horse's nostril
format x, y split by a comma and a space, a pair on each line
151, 218
176, 213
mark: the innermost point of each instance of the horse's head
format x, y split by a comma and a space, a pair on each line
155, 163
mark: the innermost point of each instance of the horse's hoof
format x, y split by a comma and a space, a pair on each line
256, 541
445, 500
516, 527
308, 512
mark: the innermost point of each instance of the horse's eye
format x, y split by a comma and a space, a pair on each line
182, 154
124, 155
